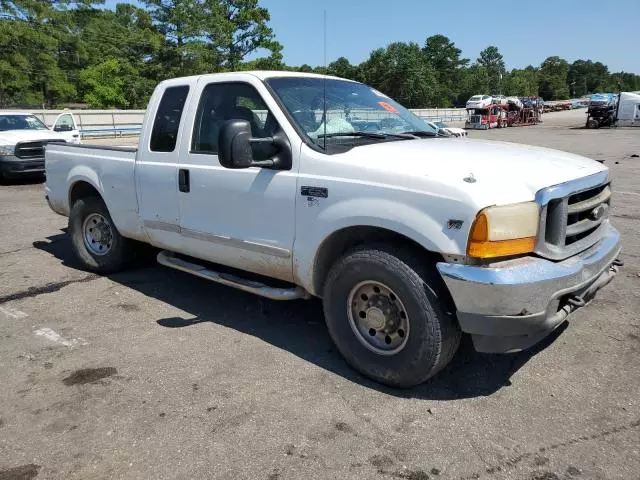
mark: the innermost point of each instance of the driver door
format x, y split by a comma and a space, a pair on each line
243, 218
66, 125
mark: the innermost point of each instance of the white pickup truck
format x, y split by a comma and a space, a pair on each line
22, 140
293, 185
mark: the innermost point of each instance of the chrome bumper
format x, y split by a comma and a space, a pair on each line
511, 305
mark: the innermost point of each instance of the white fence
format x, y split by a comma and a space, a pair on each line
122, 122
98, 122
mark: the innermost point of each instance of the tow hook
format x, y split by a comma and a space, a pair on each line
576, 301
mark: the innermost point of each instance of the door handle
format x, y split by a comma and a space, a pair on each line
183, 180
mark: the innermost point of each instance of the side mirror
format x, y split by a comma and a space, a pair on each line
234, 144
235, 147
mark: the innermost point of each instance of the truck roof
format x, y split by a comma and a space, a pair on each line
261, 74
264, 74
14, 112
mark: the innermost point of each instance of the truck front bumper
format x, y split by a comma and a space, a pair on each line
511, 305
14, 167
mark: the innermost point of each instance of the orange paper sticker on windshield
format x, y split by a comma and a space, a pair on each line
388, 107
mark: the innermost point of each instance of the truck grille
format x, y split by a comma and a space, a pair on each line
33, 149
573, 216
475, 118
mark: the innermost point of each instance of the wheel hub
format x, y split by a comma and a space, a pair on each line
97, 234
375, 318
378, 317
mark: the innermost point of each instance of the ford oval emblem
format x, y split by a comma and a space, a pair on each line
598, 212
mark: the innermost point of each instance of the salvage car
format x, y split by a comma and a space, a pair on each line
455, 131
479, 101
266, 182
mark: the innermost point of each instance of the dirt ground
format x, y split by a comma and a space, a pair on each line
153, 373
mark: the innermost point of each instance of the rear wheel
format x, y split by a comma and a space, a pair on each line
389, 315
96, 241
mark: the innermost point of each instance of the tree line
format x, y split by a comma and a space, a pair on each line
56, 52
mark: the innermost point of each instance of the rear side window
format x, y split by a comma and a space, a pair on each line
165, 126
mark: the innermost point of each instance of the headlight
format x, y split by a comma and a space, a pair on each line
504, 230
7, 149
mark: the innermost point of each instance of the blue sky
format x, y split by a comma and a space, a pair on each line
524, 32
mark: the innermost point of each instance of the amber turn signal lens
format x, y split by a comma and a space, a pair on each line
480, 229
501, 248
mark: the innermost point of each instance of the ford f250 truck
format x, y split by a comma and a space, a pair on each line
293, 185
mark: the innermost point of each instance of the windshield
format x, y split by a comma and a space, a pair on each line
20, 122
351, 108
475, 98
441, 125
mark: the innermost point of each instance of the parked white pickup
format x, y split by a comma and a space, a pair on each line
22, 140
332, 189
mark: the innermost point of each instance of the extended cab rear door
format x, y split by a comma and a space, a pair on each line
242, 218
157, 162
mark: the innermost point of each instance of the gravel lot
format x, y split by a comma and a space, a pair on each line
153, 373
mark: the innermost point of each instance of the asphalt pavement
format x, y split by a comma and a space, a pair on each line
152, 373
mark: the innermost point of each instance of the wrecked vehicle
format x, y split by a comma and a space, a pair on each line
291, 185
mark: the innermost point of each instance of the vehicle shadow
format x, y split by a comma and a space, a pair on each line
297, 327
16, 182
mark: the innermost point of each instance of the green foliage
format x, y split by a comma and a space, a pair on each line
204, 36
521, 82
444, 57
624, 82
491, 59
473, 80
57, 51
31, 43
104, 84
585, 76
342, 68
401, 72
552, 78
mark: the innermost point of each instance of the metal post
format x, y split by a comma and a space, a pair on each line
615, 120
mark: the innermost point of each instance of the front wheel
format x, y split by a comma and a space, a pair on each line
95, 239
389, 315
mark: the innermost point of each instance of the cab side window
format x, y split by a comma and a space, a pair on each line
221, 102
165, 126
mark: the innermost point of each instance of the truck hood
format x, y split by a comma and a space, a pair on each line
11, 137
500, 172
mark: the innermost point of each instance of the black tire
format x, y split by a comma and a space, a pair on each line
434, 332
121, 249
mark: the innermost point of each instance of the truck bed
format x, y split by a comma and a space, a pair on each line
108, 169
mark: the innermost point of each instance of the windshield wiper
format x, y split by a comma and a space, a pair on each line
376, 135
422, 134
